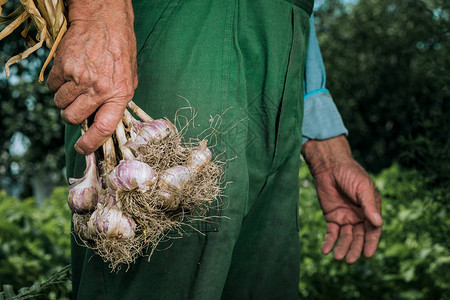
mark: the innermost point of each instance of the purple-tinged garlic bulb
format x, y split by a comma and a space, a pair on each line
81, 228
132, 174
146, 132
172, 181
84, 192
200, 156
111, 222
107, 198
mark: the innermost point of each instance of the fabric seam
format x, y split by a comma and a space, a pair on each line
323, 90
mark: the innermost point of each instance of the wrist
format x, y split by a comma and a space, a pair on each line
117, 11
323, 155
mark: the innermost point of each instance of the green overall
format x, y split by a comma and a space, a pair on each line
246, 57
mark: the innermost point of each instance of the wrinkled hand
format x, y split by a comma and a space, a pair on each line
95, 68
349, 200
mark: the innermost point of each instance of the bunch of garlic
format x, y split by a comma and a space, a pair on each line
94, 198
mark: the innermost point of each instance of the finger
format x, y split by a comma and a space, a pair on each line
372, 238
67, 93
105, 122
357, 245
330, 238
80, 109
55, 79
370, 201
345, 240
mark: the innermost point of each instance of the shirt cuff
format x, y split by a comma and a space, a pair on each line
321, 118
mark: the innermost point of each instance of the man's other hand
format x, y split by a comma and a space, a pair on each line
95, 68
349, 200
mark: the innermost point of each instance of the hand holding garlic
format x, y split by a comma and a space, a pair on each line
94, 70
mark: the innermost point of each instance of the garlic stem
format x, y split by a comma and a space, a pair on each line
84, 127
122, 139
14, 24
109, 155
128, 119
139, 112
53, 49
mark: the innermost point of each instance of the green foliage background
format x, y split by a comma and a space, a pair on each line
27, 110
34, 241
388, 70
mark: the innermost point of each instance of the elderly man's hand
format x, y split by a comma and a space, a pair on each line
95, 67
349, 200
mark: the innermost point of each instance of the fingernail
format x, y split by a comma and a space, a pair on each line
79, 150
377, 219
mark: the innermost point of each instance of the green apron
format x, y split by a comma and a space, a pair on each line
246, 57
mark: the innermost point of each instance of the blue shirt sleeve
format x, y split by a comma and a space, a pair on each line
321, 117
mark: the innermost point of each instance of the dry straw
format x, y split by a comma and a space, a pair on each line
47, 16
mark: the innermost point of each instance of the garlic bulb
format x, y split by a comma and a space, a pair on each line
107, 198
172, 181
175, 178
132, 174
81, 228
111, 222
84, 192
200, 156
146, 132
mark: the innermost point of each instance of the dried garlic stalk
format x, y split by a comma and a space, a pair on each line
49, 18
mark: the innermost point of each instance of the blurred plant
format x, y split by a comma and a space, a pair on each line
31, 143
34, 242
49, 289
387, 67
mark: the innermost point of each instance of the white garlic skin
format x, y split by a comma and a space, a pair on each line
132, 174
81, 228
150, 131
84, 192
111, 222
175, 178
200, 156
172, 181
